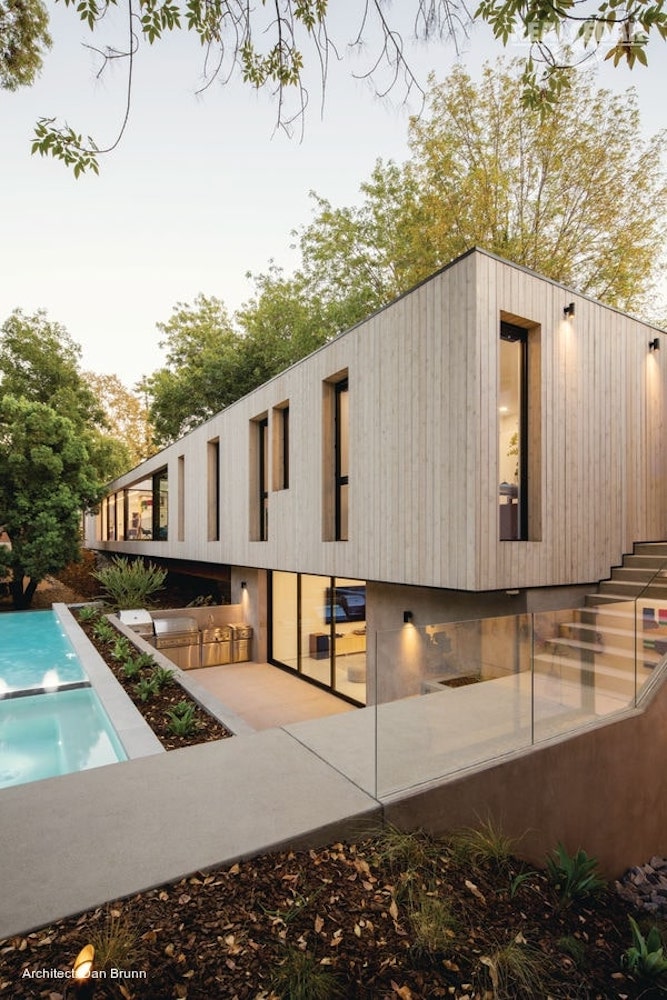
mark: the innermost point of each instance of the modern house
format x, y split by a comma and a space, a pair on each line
489, 444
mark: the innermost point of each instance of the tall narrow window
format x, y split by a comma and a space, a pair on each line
213, 498
181, 498
160, 506
263, 470
341, 456
284, 449
280, 449
513, 432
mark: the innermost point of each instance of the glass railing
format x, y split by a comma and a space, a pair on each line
452, 695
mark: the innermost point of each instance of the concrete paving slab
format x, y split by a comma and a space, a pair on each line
79, 840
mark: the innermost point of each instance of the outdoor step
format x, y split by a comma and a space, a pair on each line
641, 574
603, 628
570, 671
648, 655
605, 678
646, 561
628, 590
650, 549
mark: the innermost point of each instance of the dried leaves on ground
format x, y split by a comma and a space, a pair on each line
351, 921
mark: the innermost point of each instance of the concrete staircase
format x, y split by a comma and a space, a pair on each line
608, 649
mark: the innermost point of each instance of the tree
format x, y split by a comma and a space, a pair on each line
213, 360
269, 45
578, 195
39, 361
126, 417
24, 38
203, 373
46, 481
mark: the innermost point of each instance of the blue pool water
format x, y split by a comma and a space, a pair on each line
51, 721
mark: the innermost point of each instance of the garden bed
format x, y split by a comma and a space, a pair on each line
393, 917
173, 715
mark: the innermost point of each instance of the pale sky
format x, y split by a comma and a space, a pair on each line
200, 191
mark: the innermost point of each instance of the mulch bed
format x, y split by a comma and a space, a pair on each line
155, 710
348, 912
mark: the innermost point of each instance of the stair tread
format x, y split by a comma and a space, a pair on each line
595, 647
608, 630
598, 669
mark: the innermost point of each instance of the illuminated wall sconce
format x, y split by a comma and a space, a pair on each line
569, 310
244, 585
407, 617
654, 345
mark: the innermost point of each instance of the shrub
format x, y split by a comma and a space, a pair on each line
130, 583
104, 631
516, 971
90, 612
121, 649
162, 677
483, 845
575, 877
182, 721
132, 667
301, 977
115, 943
432, 923
145, 689
645, 958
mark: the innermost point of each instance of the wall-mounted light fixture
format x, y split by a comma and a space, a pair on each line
569, 310
407, 616
244, 585
654, 345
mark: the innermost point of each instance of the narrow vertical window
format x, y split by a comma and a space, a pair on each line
263, 470
213, 490
519, 431
280, 447
111, 517
120, 515
181, 498
160, 506
341, 456
284, 451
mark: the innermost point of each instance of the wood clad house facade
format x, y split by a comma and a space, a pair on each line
471, 438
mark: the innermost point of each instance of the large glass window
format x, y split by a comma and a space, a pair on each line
318, 629
147, 509
140, 511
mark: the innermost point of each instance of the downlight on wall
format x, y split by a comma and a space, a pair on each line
568, 310
654, 345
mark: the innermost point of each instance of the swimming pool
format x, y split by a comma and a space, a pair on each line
51, 720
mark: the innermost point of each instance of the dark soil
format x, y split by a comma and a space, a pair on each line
355, 922
155, 710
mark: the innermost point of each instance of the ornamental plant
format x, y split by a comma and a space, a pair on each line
130, 583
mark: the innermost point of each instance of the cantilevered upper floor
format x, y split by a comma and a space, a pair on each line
489, 429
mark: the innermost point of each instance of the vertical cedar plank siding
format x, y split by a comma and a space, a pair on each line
423, 400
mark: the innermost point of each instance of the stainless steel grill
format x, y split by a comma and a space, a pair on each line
216, 645
178, 639
241, 642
